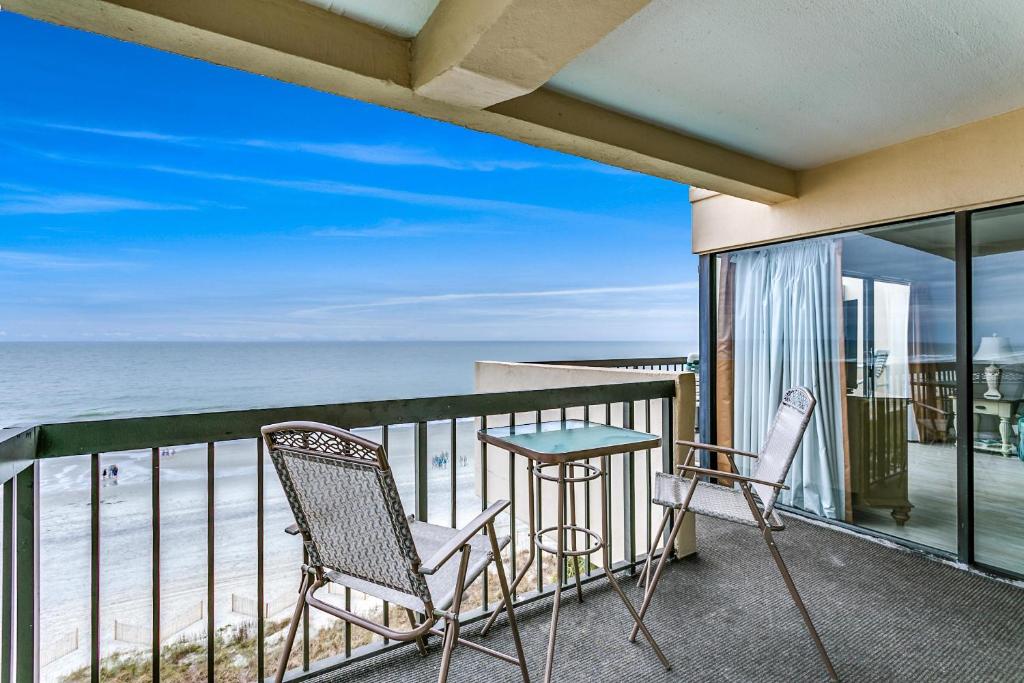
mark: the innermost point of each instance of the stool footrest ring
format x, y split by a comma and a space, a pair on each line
591, 472
593, 537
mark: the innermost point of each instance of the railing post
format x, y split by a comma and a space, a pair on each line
422, 471
94, 569
629, 494
483, 499
260, 598
26, 570
155, 484
7, 598
211, 538
453, 492
667, 447
512, 508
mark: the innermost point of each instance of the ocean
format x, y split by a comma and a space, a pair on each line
58, 381
52, 382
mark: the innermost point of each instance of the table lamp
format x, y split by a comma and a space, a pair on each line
992, 350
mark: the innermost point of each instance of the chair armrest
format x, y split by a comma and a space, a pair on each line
463, 537
713, 447
292, 529
732, 475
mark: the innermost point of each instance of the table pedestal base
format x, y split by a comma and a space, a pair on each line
566, 482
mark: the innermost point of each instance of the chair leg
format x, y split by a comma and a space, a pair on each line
649, 593
532, 549
507, 597
791, 587
421, 642
451, 628
646, 571
450, 638
293, 626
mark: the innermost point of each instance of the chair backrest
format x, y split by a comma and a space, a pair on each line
782, 442
346, 504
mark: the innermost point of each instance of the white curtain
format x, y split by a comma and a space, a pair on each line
787, 319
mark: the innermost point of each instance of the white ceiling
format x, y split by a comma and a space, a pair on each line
806, 82
404, 18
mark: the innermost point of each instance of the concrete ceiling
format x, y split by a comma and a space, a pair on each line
403, 18
802, 83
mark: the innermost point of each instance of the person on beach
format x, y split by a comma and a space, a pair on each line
113, 472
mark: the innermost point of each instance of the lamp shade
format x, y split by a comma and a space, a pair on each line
994, 349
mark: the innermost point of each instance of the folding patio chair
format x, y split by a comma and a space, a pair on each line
356, 534
752, 503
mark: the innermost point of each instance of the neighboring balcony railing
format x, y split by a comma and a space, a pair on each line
667, 363
438, 433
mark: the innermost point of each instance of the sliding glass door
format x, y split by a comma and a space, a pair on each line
997, 266
866, 320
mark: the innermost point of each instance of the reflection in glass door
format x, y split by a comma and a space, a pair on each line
899, 355
997, 237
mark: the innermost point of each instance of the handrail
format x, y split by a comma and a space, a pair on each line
91, 436
17, 450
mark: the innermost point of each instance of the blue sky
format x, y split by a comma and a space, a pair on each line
144, 195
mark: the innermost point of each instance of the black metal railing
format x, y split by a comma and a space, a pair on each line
666, 363
646, 405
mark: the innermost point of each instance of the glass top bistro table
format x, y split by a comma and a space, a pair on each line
557, 452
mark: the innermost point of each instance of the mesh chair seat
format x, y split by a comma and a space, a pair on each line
712, 500
428, 538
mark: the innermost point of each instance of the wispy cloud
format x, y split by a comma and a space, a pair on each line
386, 154
372, 192
400, 155
40, 202
398, 228
35, 260
123, 133
495, 296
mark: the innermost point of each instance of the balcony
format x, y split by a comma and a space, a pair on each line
722, 613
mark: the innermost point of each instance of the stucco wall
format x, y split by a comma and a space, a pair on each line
976, 165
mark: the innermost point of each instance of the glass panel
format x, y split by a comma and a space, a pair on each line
866, 320
571, 436
998, 286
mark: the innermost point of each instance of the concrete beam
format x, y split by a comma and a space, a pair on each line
476, 54
298, 43
597, 133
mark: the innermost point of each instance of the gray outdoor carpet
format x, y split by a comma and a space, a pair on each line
884, 614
